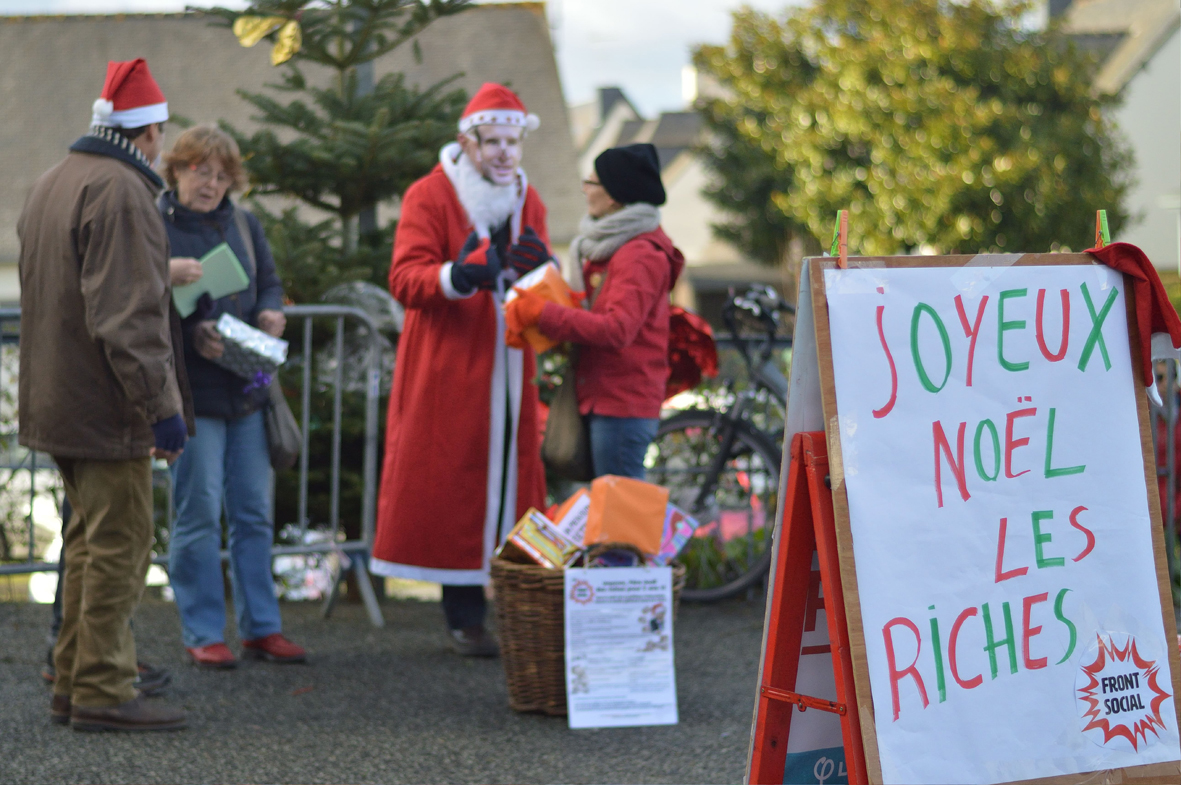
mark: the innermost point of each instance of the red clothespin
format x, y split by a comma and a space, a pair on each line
840, 239
1102, 233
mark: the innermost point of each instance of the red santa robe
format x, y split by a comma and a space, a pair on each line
458, 390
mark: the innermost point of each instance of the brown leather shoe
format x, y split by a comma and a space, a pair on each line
136, 714
59, 710
474, 642
149, 680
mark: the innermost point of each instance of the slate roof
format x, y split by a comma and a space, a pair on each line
1126, 34
609, 96
671, 133
52, 67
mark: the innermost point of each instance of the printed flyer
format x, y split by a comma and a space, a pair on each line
619, 647
992, 459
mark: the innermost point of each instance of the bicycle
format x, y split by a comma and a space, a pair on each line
721, 464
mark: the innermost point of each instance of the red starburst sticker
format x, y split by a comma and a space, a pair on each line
582, 592
1119, 694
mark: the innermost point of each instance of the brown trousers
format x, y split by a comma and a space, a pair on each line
108, 548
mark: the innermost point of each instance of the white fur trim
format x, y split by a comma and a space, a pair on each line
498, 117
131, 118
449, 291
432, 574
507, 382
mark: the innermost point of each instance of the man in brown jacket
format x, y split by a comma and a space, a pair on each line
99, 386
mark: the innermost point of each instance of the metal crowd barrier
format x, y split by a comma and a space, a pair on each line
353, 554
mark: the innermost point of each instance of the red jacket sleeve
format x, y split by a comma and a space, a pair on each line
636, 277
420, 250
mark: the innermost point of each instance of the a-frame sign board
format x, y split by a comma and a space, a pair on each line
970, 458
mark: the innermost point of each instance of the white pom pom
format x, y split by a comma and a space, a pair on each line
101, 112
532, 122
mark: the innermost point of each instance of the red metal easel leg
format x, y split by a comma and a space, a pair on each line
815, 451
785, 626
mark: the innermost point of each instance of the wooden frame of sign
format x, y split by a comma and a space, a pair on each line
1151, 773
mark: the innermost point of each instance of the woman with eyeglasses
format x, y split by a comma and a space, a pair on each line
226, 466
627, 266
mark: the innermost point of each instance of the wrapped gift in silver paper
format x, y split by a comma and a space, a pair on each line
249, 351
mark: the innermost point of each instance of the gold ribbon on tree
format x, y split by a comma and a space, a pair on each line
252, 29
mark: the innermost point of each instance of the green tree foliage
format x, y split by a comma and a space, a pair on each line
939, 125
336, 147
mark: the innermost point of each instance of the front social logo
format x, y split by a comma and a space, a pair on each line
1119, 694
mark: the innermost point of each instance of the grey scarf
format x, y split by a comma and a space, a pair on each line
599, 238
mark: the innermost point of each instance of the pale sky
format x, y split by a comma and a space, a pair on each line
639, 45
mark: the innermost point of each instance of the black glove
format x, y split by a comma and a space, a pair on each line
170, 434
470, 244
528, 253
466, 277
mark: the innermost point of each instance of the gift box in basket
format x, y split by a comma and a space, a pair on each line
249, 352
623, 509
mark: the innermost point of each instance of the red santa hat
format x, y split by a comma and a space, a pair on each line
130, 98
495, 104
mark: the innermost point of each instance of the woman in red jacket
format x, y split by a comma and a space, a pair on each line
627, 266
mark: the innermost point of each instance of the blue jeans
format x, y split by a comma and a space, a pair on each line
225, 466
618, 444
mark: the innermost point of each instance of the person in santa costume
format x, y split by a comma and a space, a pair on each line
462, 454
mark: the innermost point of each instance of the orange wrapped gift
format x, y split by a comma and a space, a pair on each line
626, 510
547, 282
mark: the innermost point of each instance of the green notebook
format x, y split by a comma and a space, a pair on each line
222, 274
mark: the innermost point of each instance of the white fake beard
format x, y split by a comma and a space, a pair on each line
488, 205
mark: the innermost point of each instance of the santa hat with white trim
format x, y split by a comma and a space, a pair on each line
130, 98
495, 104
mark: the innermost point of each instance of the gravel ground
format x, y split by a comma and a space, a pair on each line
378, 706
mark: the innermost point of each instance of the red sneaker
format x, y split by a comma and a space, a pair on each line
274, 648
215, 655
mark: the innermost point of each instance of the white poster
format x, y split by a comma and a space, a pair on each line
1000, 523
619, 647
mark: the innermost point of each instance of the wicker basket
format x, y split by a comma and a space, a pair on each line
530, 616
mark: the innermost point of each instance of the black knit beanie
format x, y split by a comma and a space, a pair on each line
631, 174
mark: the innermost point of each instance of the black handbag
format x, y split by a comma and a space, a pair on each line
566, 448
283, 437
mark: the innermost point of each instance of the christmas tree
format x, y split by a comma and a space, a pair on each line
343, 147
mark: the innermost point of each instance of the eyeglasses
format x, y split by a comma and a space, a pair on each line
592, 182
206, 173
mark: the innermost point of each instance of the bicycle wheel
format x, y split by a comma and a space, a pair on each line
733, 500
